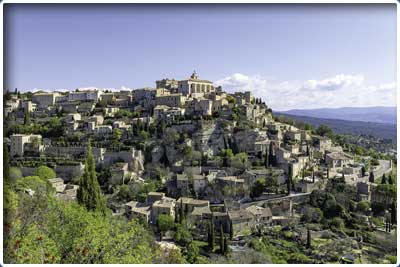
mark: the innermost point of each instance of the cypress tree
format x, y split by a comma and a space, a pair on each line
230, 230
266, 160
289, 179
211, 236
89, 193
390, 180
371, 177
6, 163
271, 154
221, 241
27, 119
308, 239
327, 173
383, 181
181, 215
393, 212
225, 246
363, 171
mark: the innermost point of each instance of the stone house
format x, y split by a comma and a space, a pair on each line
337, 160
164, 206
153, 197
262, 216
120, 173
363, 191
170, 100
20, 142
321, 143
241, 221
57, 184
135, 209
189, 204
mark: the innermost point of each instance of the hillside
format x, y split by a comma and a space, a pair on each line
362, 114
377, 130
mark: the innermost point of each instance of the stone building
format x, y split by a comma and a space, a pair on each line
85, 95
171, 100
241, 221
194, 85
188, 204
165, 205
169, 84
44, 99
19, 142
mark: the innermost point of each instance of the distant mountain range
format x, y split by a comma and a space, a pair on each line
378, 130
365, 114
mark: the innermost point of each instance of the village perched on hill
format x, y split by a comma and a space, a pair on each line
186, 172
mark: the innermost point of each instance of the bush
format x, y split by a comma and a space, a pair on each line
363, 206
392, 259
165, 222
45, 173
182, 235
337, 223
312, 215
15, 174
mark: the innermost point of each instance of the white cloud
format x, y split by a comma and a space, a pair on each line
342, 90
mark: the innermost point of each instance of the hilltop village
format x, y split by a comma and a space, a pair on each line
213, 176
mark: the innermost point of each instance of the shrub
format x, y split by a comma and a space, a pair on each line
45, 173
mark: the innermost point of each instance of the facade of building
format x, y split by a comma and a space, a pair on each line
194, 85
44, 99
18, 142
171, 100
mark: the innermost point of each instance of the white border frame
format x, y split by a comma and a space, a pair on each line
192, 2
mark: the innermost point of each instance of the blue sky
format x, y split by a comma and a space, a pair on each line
294, 56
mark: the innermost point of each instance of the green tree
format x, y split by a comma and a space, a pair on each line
312, 215
45, 173
308, 239
266, 159
363, 171
27, 118
371, 177
117, 134
258, 188
230, 230
221, 241
363, 206
226, 248
323, 130
393, 212
183, 235
289, 179
89, 194
271, 161
165, 223
193, 253
6, 164
383, 180
211, 235
390, 180
15, 174
35, 183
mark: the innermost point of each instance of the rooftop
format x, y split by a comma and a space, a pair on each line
188, 200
